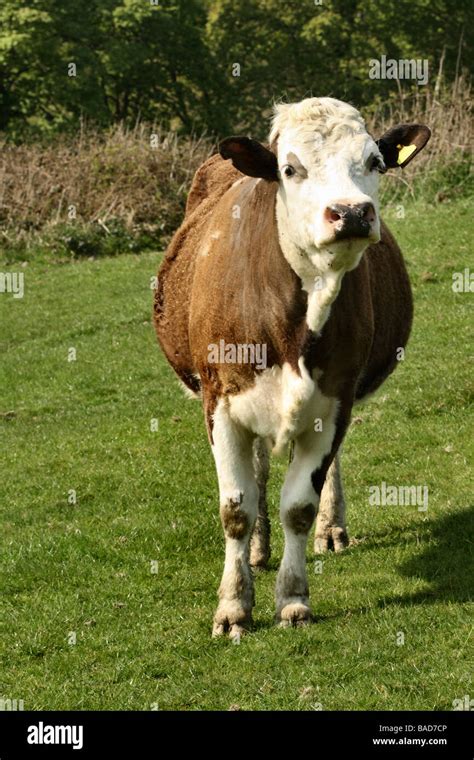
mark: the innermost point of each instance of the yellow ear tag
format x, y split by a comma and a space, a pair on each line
405, 152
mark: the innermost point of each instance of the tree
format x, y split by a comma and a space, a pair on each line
209, 65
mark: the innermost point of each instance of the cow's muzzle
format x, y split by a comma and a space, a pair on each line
351, 221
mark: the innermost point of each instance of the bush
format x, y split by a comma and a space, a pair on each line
444, 169
96, 194
103, 193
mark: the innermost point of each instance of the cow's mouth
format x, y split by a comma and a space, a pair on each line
341, 254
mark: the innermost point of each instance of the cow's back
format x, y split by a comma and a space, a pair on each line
175, 277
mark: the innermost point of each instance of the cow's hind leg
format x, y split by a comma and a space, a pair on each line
260, 543
331, 530
238, 495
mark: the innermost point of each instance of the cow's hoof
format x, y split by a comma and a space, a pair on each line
333, 539
231, 620
295, 615
233, 631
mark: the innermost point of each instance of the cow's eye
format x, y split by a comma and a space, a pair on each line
376, 165
289, 171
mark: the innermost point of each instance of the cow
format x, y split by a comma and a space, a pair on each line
282, 251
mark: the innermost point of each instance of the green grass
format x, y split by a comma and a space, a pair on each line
142, 638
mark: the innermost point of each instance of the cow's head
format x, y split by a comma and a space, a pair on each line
327, 167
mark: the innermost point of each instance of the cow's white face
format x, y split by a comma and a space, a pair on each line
327, 201
327, 168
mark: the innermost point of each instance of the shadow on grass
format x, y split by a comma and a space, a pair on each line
447, 563
444, 559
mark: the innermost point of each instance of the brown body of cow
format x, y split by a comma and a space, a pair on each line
225, 278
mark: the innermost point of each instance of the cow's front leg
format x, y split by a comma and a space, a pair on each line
298, 506
331, 532
238, 495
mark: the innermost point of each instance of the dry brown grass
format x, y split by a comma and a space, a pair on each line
117, 175
120, 179
446, 160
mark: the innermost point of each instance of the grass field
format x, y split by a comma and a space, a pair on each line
107, 603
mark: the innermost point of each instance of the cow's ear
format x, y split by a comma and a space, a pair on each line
402, 143
250, 157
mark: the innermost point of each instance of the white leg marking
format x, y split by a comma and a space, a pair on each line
298, 506
238, 497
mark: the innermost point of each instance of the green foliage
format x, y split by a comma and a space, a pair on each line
132, 59
64, 242
295, 49
437, 182
94, 240
173, 62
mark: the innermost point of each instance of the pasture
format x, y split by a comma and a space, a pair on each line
107, 602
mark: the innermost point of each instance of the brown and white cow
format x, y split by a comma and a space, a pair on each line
282, 249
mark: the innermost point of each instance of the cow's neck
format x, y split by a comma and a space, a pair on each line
322, 286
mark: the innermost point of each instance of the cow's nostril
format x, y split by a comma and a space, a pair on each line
350, 220
367, 212
333, 214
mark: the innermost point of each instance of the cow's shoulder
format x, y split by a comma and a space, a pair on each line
213, 178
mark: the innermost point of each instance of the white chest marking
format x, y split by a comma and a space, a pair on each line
282, 405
